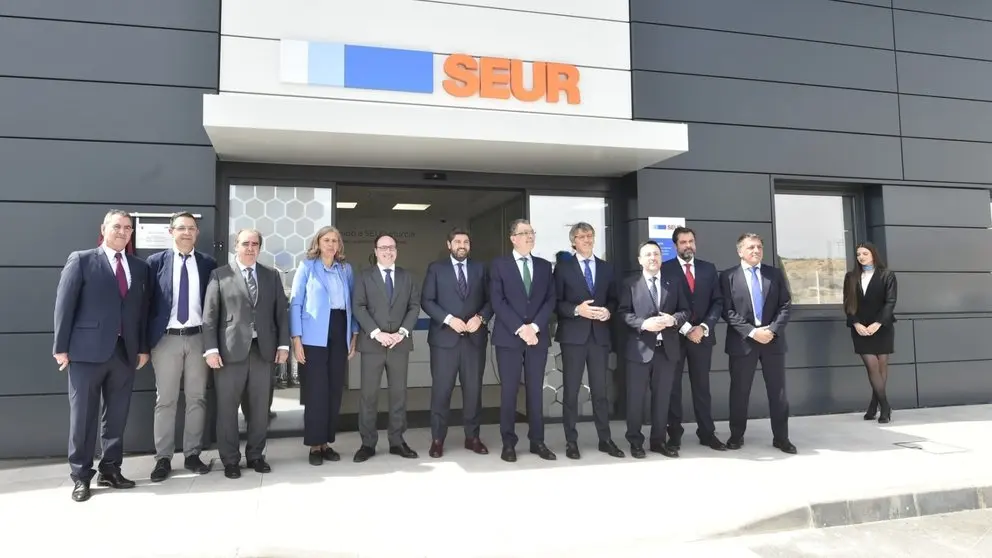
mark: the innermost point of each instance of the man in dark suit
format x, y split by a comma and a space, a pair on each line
523, 295
756, 304
701, 281
587, 297
101, 326
245, 334
654, 307
179, 278
386, 303
456, 297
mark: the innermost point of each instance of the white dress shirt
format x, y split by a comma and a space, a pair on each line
520, 269
195, 305
382, 273
657, 301
112, 258
692, 268
865, 279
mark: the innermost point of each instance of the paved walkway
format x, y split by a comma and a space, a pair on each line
466, 505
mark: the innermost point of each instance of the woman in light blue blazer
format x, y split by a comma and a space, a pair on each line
324, 333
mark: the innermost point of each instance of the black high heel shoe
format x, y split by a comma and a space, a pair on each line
872, 407
885, 416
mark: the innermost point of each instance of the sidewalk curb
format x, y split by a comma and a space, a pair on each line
868, 510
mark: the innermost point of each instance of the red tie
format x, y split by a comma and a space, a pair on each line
688, 277
121, 278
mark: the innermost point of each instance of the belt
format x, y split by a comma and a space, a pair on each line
184, 331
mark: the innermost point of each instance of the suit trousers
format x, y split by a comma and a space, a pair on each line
742, 369
249, 380
114, 381
577, 359
447, 364
179, 359
658, 374
322, 383
513, 364
699, 358
395, 363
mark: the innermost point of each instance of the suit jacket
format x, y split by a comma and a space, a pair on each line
439, 298
738, 310
637, 305
228, 313
877, 303
374, 311
571, 290
161, 266
511, 305
706, 300
310, 303
89, 309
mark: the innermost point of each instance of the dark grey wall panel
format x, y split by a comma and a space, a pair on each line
921, 292
968, 8
949, 161
926, 33
112, 173
938, 249
717, 240
715, 53
180, 14
953, 339
29, 368
115, 53
939, 76
690, 194
829, 22
955, 119
955, 383
31, 310
823, 343
934, 207
733, 101
72, 227
815, 391
744, 149
102, 111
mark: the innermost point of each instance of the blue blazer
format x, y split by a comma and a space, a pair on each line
161, 266
511, 305
310, 304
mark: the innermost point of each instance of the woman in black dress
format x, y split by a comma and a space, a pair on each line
869, 302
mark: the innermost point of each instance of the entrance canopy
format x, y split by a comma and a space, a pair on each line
331, 132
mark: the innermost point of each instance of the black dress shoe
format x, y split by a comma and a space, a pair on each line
509, 454
259, 465
572, 451
785, 445
114, 480
232, 471
543, 452
196, 465
329, 454
437, 449
476, 446
403, 451
660, 447
81, 491
316, 458
675, 443
363, 454
713, 443
161, 471
637, 451
735, 443
608, 447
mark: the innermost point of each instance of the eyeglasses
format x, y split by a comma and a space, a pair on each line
386, 248
526, 233
119, 228
182, 229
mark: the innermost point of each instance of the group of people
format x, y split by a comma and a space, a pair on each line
193, 318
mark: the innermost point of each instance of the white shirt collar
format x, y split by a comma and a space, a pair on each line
111, 253
746, 266
243, 267
176, 251
455, 262
647, 276
518, 255
683, 263
383, 269
582, 259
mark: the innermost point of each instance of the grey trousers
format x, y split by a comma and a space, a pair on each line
251, 378
395, 364
179, 358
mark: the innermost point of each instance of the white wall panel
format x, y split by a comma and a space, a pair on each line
254, 66
617, 10
442, 28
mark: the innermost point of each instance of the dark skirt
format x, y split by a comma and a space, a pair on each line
882, 343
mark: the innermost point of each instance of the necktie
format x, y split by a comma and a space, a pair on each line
252, 286
462, 283
654, 291
121, 276
689, 277
182, 312
757, 299
526, 276
389, 285
588, 274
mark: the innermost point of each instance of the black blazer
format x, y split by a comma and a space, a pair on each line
739, 312
636, 306
878, 303
706, 300
439, 297
161, 267
571, 290
511, 305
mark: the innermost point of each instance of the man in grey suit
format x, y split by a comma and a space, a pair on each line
386, 303
245, 333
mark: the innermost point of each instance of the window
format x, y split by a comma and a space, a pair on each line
815, 242
553, 216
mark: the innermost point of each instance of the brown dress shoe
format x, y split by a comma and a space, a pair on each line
476, 445
437, 449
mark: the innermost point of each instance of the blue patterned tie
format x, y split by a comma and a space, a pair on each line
182, 312
462, 283
757, 299
588, 274
389, 284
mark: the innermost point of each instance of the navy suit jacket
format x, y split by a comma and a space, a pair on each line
707, 299
511, 305
738, 310
439, 297
89, 309
571, 291
636, 306
161, 266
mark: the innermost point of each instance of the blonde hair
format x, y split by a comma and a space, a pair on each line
313, 251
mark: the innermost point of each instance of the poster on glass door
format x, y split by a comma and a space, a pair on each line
660, 230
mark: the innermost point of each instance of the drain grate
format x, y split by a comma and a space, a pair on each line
932, 447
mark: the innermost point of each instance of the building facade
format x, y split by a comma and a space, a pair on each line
815, 123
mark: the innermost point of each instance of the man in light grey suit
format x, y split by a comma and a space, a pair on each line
245, 334
386, 303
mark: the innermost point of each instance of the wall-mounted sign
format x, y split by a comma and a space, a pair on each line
503, 78
152, 236
660, 230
